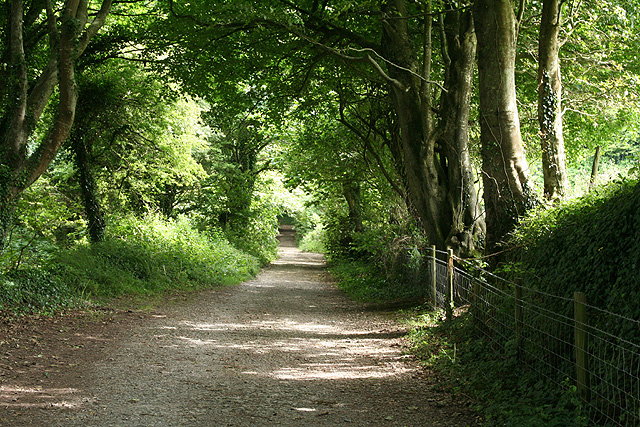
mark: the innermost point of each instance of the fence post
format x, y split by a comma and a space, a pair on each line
449, 300
475, 301
518, 315
433, 288
580, 344
594, 168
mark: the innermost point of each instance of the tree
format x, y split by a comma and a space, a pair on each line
507, 192
242, 148
459, 52
550, 103
376, 44
24, 98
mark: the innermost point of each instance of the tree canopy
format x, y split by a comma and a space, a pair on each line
378, 106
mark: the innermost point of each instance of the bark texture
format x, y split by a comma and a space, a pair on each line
93, 212
425, 179
25, 100
549, 103
505, 169
459, 53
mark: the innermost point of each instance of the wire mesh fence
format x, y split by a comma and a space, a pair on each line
560, 339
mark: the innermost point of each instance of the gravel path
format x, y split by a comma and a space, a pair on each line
284, 349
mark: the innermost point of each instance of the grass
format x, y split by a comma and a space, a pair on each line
506, 393
142, 259
361, 282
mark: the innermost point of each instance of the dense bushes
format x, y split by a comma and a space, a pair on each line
257, 235
382, 263
32, 290
313, 240
153, 253
592, 245
504, 391
139, 256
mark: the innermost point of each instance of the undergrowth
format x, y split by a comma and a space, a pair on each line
140, 256
506, 393
360, 281
313, 241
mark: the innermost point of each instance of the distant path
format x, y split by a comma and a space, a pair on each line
284, 349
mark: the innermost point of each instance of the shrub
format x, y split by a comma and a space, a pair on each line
313, 241
257, 237
152, 254
34, 291
591, 245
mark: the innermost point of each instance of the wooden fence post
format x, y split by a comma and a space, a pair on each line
433, 284
594, 168
581, 344
450, 273
518, 315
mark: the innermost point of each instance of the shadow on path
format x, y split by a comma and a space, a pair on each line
284, 349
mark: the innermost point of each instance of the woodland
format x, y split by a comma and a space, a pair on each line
151, 145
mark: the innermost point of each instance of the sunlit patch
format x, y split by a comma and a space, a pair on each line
39, 390
38, 397
197, 342
336, 372
92, 338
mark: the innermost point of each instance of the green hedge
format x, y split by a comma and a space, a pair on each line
591, 245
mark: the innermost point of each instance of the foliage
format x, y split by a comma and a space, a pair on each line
589, 245
140, 256
47, 220
313, 240
151, 255
35, 291
141, 138
600, 76
258, 235
364, 282
505, 391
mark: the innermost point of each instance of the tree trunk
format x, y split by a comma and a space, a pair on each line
505, 169
549, 103
351, 192
424, 177
95, 217
25, 104
459, 52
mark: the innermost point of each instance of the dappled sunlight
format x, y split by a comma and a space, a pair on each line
333, 372
17, 396
196, 341
306, 350
283, 349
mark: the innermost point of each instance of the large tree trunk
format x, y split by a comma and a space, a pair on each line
437, 165
95, 217
505, 169
459, 52
425, 179
549, 103
25, 102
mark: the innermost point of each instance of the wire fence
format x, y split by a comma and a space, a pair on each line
566, 341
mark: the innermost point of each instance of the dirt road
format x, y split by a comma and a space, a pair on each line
284, 349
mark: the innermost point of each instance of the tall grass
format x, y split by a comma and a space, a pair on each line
140, 256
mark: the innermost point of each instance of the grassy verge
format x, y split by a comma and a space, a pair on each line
361, 282
141, 259
507, 393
